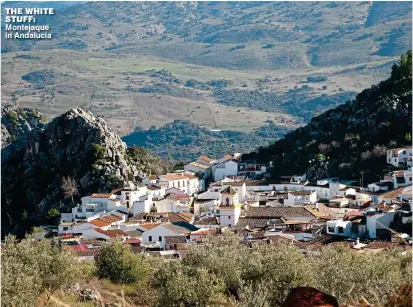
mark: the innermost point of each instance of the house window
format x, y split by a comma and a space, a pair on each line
404, 152
160, 239
331, 229
389, 160
227, 201
395, 160
179, 184
150, 238
229, 225
174, 246
410, 178
229, 217
65, 228
340, 230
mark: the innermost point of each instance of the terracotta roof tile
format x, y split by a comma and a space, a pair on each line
206, 159
153, 188
112, 233
99, 195
392, 194
149, 225
99, 222
111, 218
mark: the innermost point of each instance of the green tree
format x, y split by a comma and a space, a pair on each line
32, 269
52, 213
119, 264
181, 285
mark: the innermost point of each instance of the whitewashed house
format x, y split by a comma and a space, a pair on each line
223, 167
189, 184
381, 186
399, 156
202, 165
142, 205
361, 226
399, 178
300, 198
251, 168
172, 203
205, 205
155, 237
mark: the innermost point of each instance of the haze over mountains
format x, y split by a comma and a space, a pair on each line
221, 65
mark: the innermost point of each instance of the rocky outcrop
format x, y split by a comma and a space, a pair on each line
16, 123
76, 144
83, 294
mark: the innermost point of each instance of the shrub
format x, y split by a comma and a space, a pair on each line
119, 264
52, 213
264, 274
32, 268
181, 285
99, 151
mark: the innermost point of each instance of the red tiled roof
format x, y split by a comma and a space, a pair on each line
111, 218
75, 248
133, 241
186, 214
152, 188
189, 177
205, 158
204, 232
392, 194
112, 233
99, 222
149, 226
172, 177
98, 195
176, 196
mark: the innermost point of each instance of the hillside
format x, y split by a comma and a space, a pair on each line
76, 145
185, 141
353, 137
249, 61
16, 123
248, 35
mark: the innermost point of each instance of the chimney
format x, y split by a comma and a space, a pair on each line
357, 241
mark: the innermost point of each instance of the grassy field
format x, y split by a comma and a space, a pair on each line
109, 86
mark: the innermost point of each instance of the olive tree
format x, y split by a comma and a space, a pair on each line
120, 264
33, 269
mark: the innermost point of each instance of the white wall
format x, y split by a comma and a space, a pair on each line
229, 217
339, 223
91, 234
209, 206
227, 168
155, 233
142, 205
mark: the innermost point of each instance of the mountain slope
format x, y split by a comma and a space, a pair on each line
250, 35
75, 144
182, 140
353, 137
17, 123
